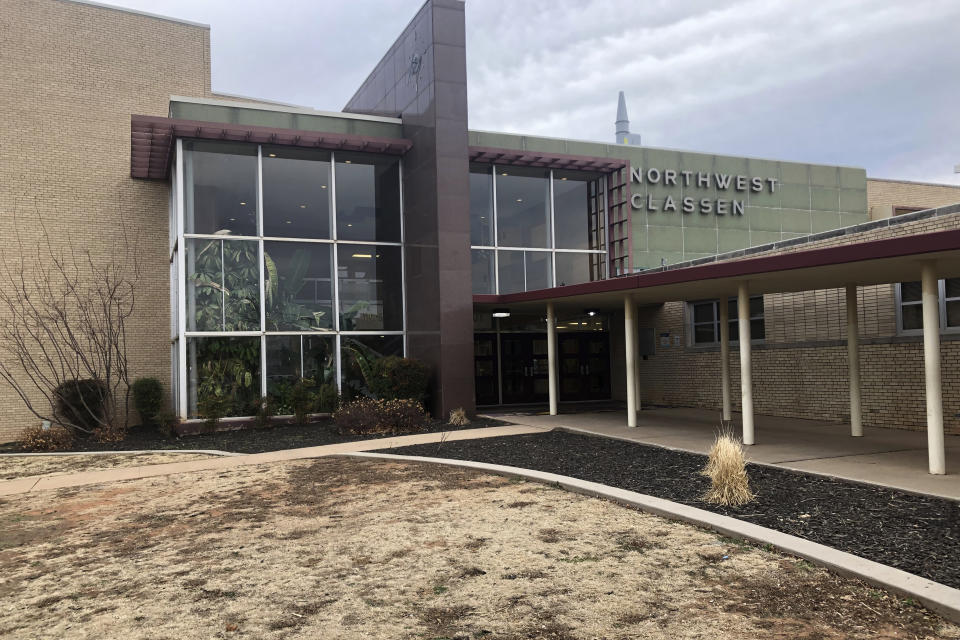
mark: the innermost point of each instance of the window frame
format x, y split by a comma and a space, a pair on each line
942, 301
691, 324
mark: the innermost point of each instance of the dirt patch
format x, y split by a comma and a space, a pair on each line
348, 548
12, 467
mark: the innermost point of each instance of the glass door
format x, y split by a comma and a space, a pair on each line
584, 366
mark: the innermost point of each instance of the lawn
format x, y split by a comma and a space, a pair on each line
349, 548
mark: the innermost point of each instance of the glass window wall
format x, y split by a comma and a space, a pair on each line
483, 270
481, 205
523, 207
262, 312
357, 352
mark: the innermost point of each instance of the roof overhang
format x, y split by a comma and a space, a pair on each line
513, 157
151, 141
863, 263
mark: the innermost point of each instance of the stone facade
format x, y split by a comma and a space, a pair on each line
73, 74
885, 196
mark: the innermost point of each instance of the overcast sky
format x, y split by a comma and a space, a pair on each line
867, 83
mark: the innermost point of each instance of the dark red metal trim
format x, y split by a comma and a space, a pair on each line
151, 141
517, 158
842, 254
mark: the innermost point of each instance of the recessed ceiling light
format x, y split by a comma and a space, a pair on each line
563, 178
483, 217
232, 219
348, 161
243, 204
273, 155
519, 199
303, 206
504, 173
362, 255
501, 313
349, 225
288, 221
323, 186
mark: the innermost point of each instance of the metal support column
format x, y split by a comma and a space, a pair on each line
552, 356
746, 379
630, 345
725, 358
853, 362
931, 368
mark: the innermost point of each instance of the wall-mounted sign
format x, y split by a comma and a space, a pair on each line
701, 179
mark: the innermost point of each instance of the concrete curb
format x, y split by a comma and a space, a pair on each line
209, 452
935, 596
772, 465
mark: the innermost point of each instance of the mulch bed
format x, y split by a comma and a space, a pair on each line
914, 533
288, 436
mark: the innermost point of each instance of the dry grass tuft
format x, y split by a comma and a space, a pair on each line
727, 470
458, 417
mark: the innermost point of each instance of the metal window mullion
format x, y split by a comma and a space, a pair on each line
553, 236
181, 288
261, 251
403, 259
335, 265
223, 289
496, 241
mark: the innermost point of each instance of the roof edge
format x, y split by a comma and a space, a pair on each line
101, 5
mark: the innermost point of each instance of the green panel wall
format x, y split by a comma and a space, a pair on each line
807, 199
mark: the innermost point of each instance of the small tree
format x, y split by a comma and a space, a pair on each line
65, 316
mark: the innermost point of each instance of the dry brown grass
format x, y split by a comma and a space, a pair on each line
12, 467
458, 417
727, 469
348, 548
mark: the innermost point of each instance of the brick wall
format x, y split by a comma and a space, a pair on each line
884, 195
801, 368
72, 75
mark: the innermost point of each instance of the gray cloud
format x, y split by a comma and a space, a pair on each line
857, 82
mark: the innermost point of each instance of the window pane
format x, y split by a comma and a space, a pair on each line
757, 329
221, 188
511, 271
482, 269
283, 370
371, 287
297, 286
296, 193
952, 287
539, 270
756, 307
574, 268
368, 197
218, 298
356, 352
571, 211
703, 312
523, 213
910, 292
953, 313
481, 205
912, 317
704, 334
225, 370
319, 359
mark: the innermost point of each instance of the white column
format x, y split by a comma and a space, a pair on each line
746, 380
725, 357
853, 362
931, 368
630, 344
552, 357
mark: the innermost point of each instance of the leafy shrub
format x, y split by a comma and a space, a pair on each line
327, 398
302, 399
727, 470
368, 416
82, 403
165, 420
264, 411
36, 438
393, 378
458, 417
213, 407
147, 399
110, 433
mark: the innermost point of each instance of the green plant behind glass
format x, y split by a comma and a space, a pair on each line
284, 313
226, 285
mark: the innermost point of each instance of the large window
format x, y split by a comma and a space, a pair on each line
313, 284
705, 321
534, 228
910, 304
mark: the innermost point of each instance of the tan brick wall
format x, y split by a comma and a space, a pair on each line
72, 74
884, 195
801, 369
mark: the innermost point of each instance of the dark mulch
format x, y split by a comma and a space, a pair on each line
915, 533
275, 438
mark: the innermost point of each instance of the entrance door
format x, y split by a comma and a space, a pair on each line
485, 368
525, 371
584, 366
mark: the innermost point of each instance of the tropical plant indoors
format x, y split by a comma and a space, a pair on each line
63, 337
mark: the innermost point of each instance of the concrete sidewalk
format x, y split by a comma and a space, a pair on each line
45, 483
889, 457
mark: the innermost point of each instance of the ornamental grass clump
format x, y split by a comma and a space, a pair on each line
727, 470
458, 417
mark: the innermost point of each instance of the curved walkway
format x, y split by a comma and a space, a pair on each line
935, 596
45, 483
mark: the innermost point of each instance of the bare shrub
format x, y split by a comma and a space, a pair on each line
727, 469
458, 417
36, 438
367, 416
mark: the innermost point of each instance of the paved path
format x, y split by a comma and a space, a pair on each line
45, 483
891, 457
